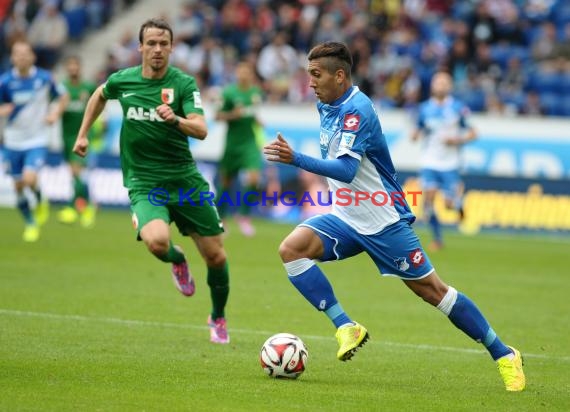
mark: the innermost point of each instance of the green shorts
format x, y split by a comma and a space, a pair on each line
186, 203
235, 161
68, 155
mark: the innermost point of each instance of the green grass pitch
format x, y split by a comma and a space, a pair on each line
89, 321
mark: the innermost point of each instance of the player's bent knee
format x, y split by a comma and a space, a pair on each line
158, 246
289, 251
216, 258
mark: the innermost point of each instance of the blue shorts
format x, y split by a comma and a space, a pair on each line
396, 250
448, 181
30, 159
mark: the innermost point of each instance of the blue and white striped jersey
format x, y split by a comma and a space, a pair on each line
350, 126
31, 96
438, 122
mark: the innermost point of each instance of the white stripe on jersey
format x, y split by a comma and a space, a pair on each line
367, 218
28, 128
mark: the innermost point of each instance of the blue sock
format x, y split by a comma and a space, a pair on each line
337, 315
24, 207
433, 222
435, 227
465, 315
315, 287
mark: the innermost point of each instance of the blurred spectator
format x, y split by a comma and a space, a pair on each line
543, 45
494, 49
458, 63
494, 105
532, 105
277, 63
207, 62
13, 28
299, 90
488, 71
125, 49
483, 26
538, 10
181, 54
4, 9
28, 9
48, 33
235, 21
188, 24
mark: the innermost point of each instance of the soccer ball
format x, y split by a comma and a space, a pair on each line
284, 356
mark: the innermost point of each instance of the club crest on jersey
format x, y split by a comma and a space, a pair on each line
167, 96
351, 122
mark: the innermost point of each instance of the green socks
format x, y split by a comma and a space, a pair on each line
173, 255
80, 189
219, 283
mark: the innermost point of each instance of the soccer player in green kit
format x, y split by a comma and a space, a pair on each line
161, 107
79, 92
242, 151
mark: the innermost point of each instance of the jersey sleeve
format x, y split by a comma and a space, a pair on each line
111, 87
464, 112
191, 99
421, 118
353, 133
56, 89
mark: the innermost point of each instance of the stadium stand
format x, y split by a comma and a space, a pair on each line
505, 55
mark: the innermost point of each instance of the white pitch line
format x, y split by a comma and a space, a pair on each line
145, 323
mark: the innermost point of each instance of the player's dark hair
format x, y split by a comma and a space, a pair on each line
155, 23
335, 55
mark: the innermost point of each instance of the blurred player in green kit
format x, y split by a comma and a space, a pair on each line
161, 108
242, 152
79, 91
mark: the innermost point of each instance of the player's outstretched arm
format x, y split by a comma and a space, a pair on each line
95, 106
343, 169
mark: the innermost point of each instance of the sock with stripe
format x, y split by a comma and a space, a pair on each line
312, 283
465, 315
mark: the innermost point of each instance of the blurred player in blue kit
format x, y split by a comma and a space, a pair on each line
442, 122
26, 93
355, 158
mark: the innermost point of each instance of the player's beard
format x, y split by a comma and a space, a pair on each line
157, 65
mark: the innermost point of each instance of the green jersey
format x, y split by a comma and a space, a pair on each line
241, 132
153, 152
73, 115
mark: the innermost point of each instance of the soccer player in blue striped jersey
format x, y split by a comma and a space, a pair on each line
356, 160
26, 93
443, 123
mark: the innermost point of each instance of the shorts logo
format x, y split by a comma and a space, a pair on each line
351, 122
167, 96
417, 257
135, 221
402, 264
